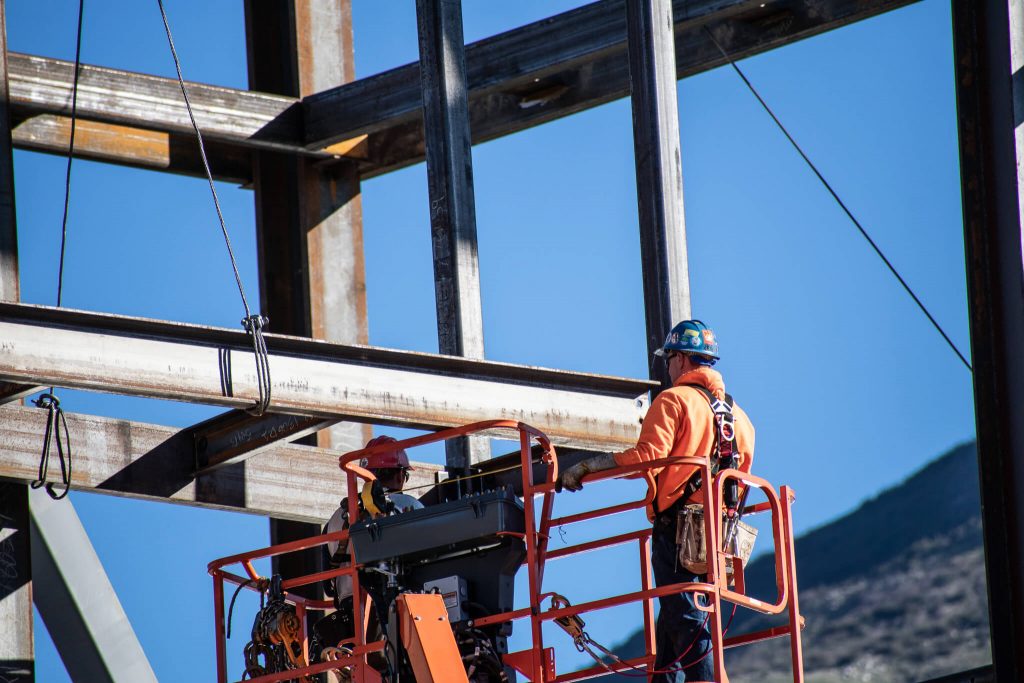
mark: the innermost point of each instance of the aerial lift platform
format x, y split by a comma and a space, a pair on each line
442, 577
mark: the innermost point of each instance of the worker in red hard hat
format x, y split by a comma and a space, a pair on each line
689, 419
391, 467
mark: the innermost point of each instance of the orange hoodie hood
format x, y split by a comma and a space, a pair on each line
707, 377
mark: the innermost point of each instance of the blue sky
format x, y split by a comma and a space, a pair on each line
848, 386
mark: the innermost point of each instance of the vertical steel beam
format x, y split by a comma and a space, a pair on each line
17, 658
309, 218
659, 175
76, 601
989, 96
452, 203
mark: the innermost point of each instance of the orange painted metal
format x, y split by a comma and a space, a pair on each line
428, 639
537, 663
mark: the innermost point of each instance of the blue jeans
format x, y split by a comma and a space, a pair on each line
680, 624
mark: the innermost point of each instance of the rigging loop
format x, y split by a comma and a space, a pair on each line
55, 424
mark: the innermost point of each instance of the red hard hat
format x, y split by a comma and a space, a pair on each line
393, 458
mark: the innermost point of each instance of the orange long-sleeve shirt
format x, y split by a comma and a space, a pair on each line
680, 422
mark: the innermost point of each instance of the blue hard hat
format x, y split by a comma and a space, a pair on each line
691, 336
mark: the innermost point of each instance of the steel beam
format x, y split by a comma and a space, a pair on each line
236, 435
42, 85
452, 206
136, 147
152, 462
140, 357
559, 66
76, 601
988, 92
518, 79
659, 173
308, 216
17, 657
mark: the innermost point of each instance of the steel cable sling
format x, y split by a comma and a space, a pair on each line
252, 323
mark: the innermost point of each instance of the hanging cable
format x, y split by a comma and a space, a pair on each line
839, 201
55, 420
253, 323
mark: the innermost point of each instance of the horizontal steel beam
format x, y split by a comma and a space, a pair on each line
42, 85
136, 147
236, 435
521, 78
157, 359
152, 462
559, 66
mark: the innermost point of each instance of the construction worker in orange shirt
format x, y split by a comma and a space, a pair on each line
681, 422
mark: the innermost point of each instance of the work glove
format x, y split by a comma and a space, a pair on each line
572, 477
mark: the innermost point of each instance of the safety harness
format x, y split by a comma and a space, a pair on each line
723, 453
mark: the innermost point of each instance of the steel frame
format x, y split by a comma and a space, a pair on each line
560, 66
538, 663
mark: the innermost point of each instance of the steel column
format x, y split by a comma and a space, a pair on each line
659, 176
76, 601
987, 91
309, 218
449, 155
17, 658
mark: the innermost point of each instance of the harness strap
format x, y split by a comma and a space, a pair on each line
723, 452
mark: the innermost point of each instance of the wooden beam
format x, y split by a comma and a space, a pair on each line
153, 462
58, 347
659, 173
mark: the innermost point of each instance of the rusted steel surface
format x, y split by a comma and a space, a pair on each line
137, 147
42, 85
559, 66
182, 362
237, 435
517, 79
154, 462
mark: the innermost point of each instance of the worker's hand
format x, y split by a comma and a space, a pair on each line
573, 476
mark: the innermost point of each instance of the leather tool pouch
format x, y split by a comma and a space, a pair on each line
738, 540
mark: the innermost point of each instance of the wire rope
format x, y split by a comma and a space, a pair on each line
55, 420
253, 323
839, 201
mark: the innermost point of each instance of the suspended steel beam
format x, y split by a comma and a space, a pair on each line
140, 357
659, 172
989, 48
76, 601
153, 462
518, 79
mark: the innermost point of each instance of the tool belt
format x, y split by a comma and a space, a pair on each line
737, 539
